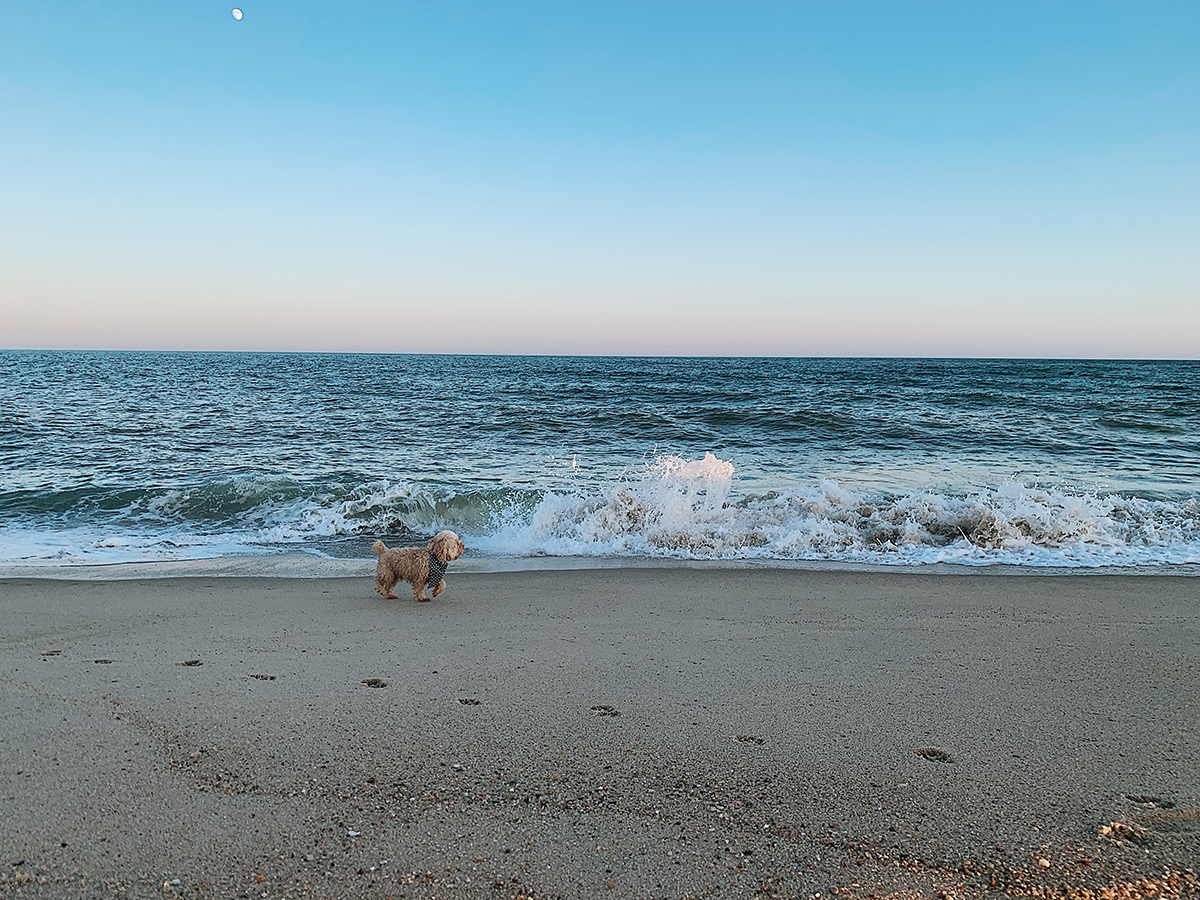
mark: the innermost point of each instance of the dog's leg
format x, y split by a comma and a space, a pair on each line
441, 586
419, 593
384, 589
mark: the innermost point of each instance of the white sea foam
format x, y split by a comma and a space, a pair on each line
681, 509
85, 546
674, 508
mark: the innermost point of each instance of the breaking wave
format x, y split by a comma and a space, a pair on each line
673, 508
682, 509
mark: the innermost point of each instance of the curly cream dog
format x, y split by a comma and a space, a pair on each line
419, 566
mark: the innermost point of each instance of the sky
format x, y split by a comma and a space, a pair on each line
799, 179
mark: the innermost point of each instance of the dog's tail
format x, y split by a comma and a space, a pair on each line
378, 547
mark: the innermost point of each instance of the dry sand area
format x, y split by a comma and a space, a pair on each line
635, 732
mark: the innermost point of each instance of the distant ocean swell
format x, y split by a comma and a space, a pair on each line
675, 508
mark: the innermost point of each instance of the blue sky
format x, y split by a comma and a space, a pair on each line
825, 178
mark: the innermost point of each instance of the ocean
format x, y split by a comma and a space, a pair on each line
109, 457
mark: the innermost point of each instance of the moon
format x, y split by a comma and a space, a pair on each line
237, 14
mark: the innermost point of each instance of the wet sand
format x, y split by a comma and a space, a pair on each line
601, 733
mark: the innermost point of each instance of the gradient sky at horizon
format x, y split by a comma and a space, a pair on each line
927, 179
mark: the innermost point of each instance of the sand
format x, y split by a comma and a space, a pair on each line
631, 732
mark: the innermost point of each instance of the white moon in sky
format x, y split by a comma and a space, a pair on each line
237, 14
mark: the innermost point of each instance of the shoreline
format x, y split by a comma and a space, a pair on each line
301, 564
633, 732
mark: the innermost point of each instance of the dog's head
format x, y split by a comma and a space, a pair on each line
447, 546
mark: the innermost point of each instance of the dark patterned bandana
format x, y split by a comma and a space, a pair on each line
437, 569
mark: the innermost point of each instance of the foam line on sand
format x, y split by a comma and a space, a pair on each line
300, 564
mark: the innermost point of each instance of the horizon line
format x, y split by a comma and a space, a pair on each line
144, 350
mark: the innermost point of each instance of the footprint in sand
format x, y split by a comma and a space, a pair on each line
374, 682
192, 662
52, 653
264, 677
468, 701
748, 738
103, 662
604, 710
934, 754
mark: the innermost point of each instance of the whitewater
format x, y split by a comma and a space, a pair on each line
126, 457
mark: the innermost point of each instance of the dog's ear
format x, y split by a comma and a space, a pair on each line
438, 547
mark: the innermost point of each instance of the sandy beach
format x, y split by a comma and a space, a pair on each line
629, 732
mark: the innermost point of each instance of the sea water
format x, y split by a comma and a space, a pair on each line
117, 457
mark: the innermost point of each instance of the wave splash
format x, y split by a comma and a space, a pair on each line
674, 508
681, 509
